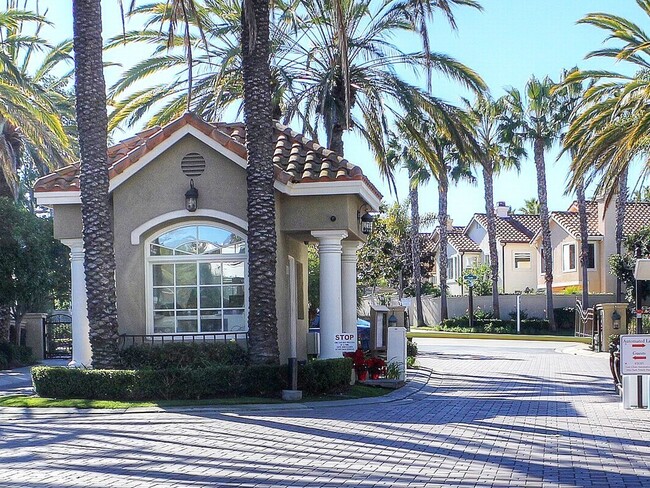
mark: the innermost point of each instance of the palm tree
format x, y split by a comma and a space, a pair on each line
531, 207
99, 262
535, 118
359, 89
401, 153
214, 34
262, 240
494, 154
444, 147
33, 107
620, 121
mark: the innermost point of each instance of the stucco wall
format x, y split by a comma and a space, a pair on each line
67, 221
327, 212
518, 279
155, 190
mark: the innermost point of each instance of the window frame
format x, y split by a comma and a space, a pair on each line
515, 254
150, 261
592, 245
566, 263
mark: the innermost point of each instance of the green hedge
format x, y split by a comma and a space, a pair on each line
12, 356
495, 326
316, 377
183, 355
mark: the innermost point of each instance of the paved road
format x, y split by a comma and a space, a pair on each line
495, 413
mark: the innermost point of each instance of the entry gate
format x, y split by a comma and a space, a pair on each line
57, 336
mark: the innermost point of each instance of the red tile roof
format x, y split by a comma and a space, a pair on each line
296, 158
514, 228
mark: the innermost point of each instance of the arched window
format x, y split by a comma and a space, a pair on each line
197, 280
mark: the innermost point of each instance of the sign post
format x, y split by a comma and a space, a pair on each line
471, 278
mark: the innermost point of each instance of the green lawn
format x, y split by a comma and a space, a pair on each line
357, 391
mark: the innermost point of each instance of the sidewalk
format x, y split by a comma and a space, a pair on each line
19, 381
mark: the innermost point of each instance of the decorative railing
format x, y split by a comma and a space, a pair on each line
127, 340
584, 321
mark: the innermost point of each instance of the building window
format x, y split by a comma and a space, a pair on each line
197, 280
522, 260
591, 256
569, 257
471, 261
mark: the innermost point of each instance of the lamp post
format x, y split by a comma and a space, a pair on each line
641, 273
471, 278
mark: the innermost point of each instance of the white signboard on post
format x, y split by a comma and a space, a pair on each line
345, 342
635, 354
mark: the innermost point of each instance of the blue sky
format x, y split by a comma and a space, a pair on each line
506, 43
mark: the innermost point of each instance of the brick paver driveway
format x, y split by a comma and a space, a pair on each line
495, 414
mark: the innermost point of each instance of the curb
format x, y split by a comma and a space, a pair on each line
417, 380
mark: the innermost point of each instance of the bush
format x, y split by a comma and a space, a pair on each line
320, 376
494, 326
183, 355
12, 356
411, 348
325, 375
565, 317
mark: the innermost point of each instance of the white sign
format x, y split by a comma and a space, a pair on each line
345, 342
635, 354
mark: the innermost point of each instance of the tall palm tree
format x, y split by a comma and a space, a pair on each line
359, 88
494, 154
534, 116
262, 239
445, 148
99, 262
402, 154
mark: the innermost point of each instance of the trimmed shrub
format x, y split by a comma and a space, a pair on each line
183, 355
495, 326
12, 356
411, 348
325, 375
320, 376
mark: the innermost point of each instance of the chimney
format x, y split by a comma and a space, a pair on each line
502, 210
450, 223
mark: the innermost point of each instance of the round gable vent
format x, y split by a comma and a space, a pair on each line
193, 164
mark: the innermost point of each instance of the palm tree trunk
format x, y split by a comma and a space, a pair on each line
415, 252
492, 235
262, 240
443, 187
584, 243
621, 202
540, 166
99, 263
336, 139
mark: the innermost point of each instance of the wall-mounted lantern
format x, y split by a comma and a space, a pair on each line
366, 223
192, 198
616, 319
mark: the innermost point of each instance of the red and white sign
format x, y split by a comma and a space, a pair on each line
635, 354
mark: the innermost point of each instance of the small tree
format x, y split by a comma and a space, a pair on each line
483, 281
34, 269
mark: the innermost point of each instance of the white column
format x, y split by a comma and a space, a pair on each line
329, 252
81, 352
349, 286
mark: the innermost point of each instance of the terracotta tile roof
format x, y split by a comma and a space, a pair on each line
637, 216
570, 220
296, 158
514, 228
457, 238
